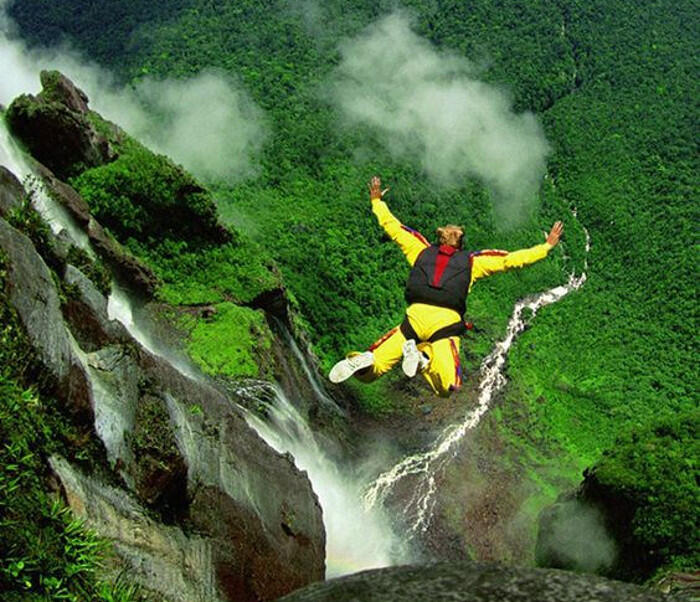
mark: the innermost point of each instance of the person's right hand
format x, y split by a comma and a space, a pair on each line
555, 233
375, 188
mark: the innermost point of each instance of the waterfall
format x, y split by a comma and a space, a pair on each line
424, 468
53, 213
359, 534
120, 307
311, 376
357, 538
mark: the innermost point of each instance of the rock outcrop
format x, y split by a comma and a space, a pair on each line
474, 582
33, 295
126, 268
56, 128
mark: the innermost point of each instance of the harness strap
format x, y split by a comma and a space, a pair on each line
408, 331
452, 330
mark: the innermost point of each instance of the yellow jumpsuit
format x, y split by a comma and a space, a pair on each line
444, 372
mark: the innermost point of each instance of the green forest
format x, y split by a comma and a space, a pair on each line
613, 84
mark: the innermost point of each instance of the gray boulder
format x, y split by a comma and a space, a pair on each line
473, 582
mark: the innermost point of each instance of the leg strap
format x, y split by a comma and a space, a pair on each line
408, 331
452, 330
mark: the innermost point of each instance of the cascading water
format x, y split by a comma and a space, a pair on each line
359, 535
120, 308
356, 538
424, 468
119, 304
53, 213
317, 388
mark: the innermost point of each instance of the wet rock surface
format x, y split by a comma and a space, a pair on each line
474, 582
33, 295
86, 313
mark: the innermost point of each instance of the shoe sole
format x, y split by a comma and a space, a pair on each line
343, 370
411, 358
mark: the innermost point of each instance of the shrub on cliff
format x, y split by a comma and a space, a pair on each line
146, 196
647, 486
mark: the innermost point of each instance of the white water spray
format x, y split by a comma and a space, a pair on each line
424, 468
356, 538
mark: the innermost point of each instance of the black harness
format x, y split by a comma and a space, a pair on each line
440, 276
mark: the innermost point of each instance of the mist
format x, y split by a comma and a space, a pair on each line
427, 106
208, 123
573, 536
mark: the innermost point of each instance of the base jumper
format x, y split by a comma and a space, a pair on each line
441, 277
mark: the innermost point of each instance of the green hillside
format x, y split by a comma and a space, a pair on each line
614, 84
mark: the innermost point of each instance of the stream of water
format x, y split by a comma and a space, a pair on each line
356, 538
53, 213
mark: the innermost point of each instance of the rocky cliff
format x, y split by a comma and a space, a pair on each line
197, 505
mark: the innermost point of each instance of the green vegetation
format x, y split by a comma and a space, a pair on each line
229, 342
146, 196
46, 554
648, 484
164, 216
615, 96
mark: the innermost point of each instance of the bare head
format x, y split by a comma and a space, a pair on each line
451, 235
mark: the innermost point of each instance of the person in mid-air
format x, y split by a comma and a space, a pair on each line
436, 292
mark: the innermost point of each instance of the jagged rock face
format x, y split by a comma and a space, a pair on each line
473, 582
179, 446
11, 191
179, 565
33, 295
55, 127
86, 313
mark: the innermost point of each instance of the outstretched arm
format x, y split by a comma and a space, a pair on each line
412, 243
485, 263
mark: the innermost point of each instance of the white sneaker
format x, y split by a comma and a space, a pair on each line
413, 359
344, 369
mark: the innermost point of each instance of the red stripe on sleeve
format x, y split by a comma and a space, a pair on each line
417, 234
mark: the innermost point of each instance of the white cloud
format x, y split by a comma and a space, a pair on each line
427, 106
